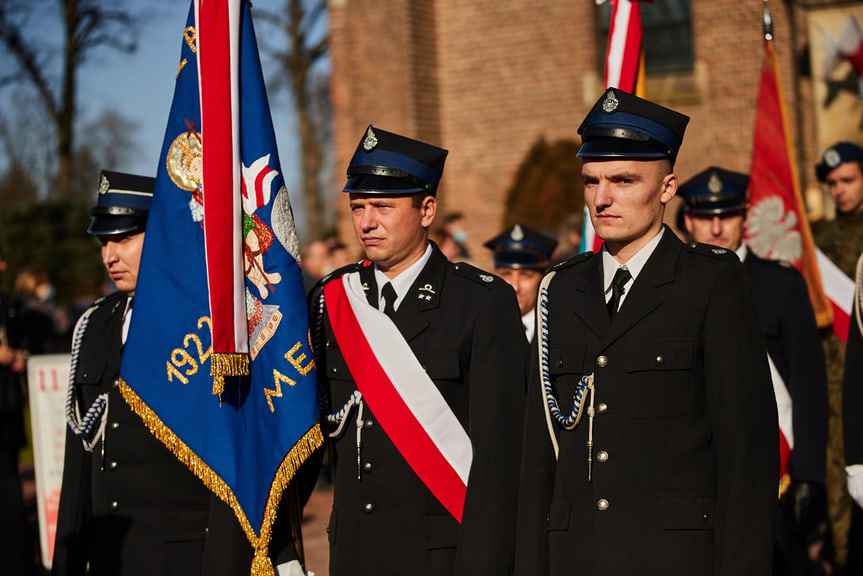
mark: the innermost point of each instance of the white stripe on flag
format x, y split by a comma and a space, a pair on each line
838, 287
617, 44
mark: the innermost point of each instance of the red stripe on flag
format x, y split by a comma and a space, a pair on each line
218, 166
841, 322
409, 437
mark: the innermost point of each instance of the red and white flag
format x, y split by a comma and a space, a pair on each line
777, 225
624, 69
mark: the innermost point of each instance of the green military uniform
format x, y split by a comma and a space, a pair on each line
842, 241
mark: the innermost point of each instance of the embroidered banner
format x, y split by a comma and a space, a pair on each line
246, 443
406, 402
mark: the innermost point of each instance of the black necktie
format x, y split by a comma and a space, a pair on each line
389, 294
621, 277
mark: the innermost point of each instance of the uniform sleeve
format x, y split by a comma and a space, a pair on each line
73, 517
852, 393
536, 481
742, 411
807, 385
496, 380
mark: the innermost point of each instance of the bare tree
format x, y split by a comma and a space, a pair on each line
304, 26
86, 25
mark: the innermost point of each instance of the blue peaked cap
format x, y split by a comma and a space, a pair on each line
715, 191
621, 125
123, 204
521, 247
387, 163
835, 156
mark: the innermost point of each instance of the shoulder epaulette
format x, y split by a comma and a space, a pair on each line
339, 272
713, 251
572, 261
478, 275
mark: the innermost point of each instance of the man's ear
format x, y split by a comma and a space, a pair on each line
428, 209
669, 188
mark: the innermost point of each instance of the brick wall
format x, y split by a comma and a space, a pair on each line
487, 78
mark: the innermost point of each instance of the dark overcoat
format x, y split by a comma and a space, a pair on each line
469, 338
794, 344
130, 506
685, 457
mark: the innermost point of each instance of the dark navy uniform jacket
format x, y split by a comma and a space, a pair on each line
685, 459
470, 340
794, 344
137, 509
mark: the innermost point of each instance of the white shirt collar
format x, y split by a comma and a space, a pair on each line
742, 252
634, 265
402, 282
529, 321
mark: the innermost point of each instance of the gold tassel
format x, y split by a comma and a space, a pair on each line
227, 364
261, 564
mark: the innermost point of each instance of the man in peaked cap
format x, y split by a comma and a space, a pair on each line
423, 361
840, 171
715, 208
521, 257
128, 506
650, 442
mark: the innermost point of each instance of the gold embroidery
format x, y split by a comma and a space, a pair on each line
297, 362
182, 65
190, 37
180, 358
311, 441
278, 378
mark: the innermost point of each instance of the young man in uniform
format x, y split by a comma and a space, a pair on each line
841, 239
714, 211
521, 257
128, 506
673, 468
424, 363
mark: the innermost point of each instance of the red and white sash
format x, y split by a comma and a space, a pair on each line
785, 410
406, 402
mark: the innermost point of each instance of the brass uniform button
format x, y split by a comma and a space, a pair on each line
602, 361
602, 456
602, 504
368, 508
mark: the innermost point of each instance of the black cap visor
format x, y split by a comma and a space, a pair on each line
619, 148
372, 184
116, 225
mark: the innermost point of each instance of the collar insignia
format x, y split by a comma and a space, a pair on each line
366, 287
427, 288
610, 103
719, 250
371, 141
486, 278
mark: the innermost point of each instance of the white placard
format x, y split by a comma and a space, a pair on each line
47, 380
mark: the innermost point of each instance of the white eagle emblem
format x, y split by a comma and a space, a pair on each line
772, 231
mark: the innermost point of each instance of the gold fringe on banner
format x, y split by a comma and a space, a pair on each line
305, 446
227, 364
